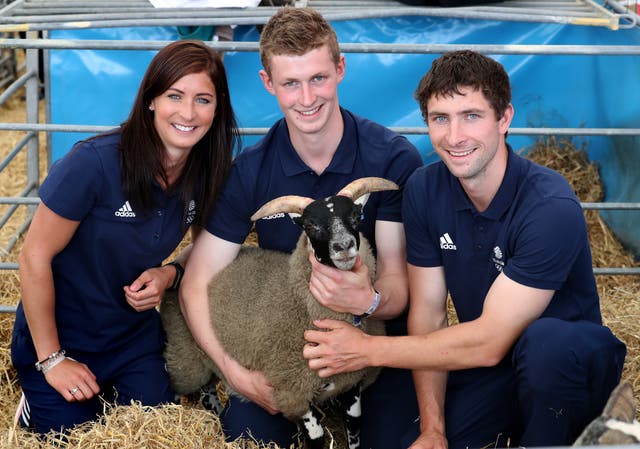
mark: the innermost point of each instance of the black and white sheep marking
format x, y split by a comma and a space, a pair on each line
260, 306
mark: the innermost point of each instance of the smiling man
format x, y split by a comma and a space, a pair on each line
314, 151
530, 362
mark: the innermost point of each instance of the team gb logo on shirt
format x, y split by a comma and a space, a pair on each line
497, 258
191, 212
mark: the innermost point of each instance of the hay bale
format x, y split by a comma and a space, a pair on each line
573, 163
134, 426
10, 391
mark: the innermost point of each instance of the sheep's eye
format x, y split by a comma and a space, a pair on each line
314, 230
355, 218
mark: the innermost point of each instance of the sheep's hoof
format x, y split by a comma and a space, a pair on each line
317, 443
208, 397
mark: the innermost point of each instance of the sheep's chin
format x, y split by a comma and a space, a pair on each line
344, 263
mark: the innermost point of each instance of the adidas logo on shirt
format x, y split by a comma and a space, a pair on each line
446, 242
125, 211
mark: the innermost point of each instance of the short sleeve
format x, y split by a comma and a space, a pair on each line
547, 244
73, 182
405, 159
231, 217
421, 250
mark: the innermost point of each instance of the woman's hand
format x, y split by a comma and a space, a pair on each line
73, 380
147, 290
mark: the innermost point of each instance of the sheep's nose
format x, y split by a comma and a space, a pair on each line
343, 246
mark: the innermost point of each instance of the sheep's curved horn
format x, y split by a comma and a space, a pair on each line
355, 189
288, 204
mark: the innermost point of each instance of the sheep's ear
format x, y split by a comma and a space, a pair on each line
362, 200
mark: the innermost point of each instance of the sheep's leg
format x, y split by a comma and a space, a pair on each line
313, 431
209, 397
351, 408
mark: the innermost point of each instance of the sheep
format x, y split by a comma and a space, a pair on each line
260, 306
617, 424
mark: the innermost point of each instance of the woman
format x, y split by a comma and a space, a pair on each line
112, 210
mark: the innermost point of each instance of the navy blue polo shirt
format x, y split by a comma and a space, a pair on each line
111, 247
534, 231
272, 168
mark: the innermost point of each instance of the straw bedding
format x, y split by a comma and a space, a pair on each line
187, 425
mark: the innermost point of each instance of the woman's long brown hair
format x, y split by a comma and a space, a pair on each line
142, 151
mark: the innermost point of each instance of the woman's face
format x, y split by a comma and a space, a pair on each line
184, 113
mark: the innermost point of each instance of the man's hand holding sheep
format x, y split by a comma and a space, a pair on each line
251, 384
336, 348
339, 290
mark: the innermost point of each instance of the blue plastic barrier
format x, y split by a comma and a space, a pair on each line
97, 87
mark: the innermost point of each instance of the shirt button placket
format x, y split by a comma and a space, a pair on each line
479, 235
156, 234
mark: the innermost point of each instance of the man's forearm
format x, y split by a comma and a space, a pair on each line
430, 391
452, 348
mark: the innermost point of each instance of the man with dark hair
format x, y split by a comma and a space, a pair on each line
530, 362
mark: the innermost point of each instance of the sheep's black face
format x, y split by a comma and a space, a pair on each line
331, 224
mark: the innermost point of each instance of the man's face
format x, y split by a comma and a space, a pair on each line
466, 134
306, 88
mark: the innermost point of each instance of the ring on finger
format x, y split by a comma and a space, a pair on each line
73, 391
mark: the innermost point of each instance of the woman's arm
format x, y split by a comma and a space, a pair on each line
48, 234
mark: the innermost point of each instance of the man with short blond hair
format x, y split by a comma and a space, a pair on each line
314, 151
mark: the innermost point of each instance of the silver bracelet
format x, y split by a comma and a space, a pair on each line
52, 360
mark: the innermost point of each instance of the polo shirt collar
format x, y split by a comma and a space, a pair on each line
505, 194
342, 162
